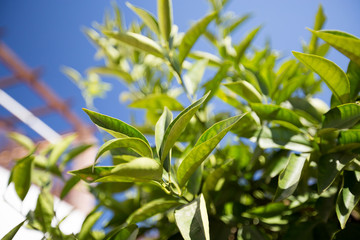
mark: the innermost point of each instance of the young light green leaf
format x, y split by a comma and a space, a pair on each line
194, 75
177, 126
44, 211
245, 43
136, 144
345, 43
245, 90
10, 235
268, 211
342, 116
289, 177
280, 137
147, 18
329, 167
164, 8
275, 112
59, 149
234, 25
114, 126
203, 147
192, 220
193, 34
319, 22
161, 126
333, 75
157, 101
21, 175
22, 140
213, 60
91, 174
117, 72
138, 42
70, 183
87, 225
348, 197
150, 209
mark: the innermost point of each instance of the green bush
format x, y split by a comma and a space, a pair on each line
289, 169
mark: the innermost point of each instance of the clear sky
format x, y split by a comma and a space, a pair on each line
47, 34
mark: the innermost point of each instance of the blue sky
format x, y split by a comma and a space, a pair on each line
47, 34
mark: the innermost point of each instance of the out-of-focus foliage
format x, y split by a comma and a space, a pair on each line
290, 168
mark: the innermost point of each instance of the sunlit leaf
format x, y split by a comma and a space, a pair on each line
157, 101
192, 35
203, 147
194, 75
319, 22
275, 112
87, 225
245, 90
353, 74
348, 197
245, 43
267, 211
59, 149
22, 140
329, 167
114, 126
212, 59
135, 144
345, 43
161, 126
177, 126
117, 72
21, 175
44, 211
334, 76
137, 41
192, 220
342, 116
164, 9
349, 136
149, 209
236, 24
147, 18
289, 177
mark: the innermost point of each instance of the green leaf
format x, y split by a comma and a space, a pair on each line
192, 220
21, 175
245, 43
164, 8
161, 126
289, 177
59, 149
193, 34
267, 211
147, 18
114, 126
275, 112
334, 76
70, 183
349, 136
74, 152
10, 235
117, 72
123, 233
91, 174
283, 138
157, 101
138, 42
319, 22
348, 197
234, 25
177, 126
213, 60
342, 116
22, 140
44, 211
353, 74
150, 209
87, 225
136, 144
194, 75
345, 43
246, 90
203, 147
329, 167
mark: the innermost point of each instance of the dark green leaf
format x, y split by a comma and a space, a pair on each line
348, 196
343, 116
157, 101
349, 136
192, 220
149, 209
10, 235
192, 35
123, 233
267, 211
114, 126
203, 147
177, 126
334, 76
21, 175
289, 177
